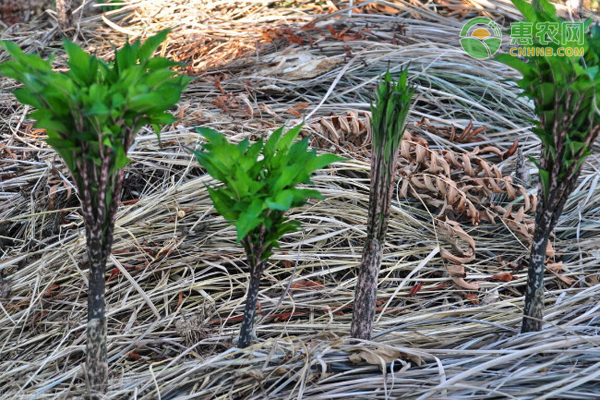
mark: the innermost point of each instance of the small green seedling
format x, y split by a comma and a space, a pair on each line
259, 187
91, 115
388, 122
566, 93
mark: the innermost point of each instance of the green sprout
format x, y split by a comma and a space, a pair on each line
259, 187
566, 93
387, 124
91, 115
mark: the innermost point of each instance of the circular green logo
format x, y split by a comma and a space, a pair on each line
481, 37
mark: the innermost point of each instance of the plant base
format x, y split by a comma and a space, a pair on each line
96, 363
366, 291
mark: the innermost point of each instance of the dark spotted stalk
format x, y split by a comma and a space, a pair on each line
91, 115
366, 290
259, 187
549, 209
254, 245
250, 308
565, 92
387, 124
380, 198
99, 213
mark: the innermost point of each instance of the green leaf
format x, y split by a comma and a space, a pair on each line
258, 191
14, 50
66, 149
144, 102
526, 9
291, 135
514, 62
80, 63
549, 10
158, 63
97, 108
121, 159
535, 161
282, 201
26, 96
84, 110
213, 136
308, 194
162, 118
574, 146
249, 219
213, 166
546, 93
223, 203
545, 180
151, 44
126, 56
272, 143
322, 161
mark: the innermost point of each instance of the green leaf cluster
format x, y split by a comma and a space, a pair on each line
389, 113
565, 91
259, 183
93, 111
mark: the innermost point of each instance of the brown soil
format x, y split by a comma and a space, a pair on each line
17, 11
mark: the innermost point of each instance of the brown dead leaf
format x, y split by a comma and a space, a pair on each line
549, 250
512, 149
473, 298
7, 150
384, 355
288, 34
415, 289
457, 273
306, 284
505, 277
566, 280
294, 110
446, 255
269, 111
466, 285
218, 78
555, 267
52, 290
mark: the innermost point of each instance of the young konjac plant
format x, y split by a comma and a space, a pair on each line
566, 93
259, 187
387, 125
91, 114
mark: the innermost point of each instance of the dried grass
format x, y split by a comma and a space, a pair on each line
177, 280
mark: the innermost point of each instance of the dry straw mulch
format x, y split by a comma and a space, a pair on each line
451, 285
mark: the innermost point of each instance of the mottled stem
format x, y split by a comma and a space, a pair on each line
250, 308
534, 296
380, 198
96, 361
546, 217
100, 216
366, 290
